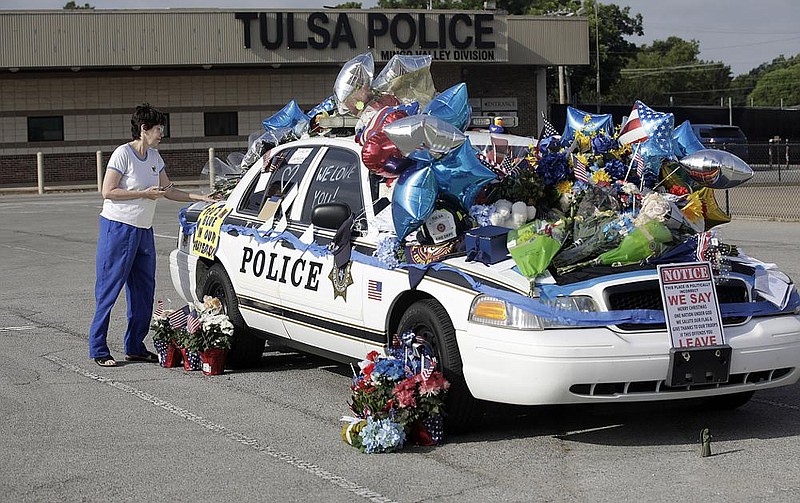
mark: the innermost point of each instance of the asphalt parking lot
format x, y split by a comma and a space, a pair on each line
72, 431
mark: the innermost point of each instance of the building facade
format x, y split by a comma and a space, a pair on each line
69, 80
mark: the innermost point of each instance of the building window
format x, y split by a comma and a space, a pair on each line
46, 128
221, 123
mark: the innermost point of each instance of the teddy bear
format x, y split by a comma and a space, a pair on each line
511, 215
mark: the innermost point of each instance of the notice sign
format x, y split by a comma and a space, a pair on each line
206, 234
690, 305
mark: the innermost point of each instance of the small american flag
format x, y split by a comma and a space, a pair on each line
159, 312
637, 157
375, 290
427, 367
547, 131
177, 319
192, 322
703, 242
580, 169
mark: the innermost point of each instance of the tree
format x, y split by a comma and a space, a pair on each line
742, 86
73, 6
668, 72
778, 87
348, 5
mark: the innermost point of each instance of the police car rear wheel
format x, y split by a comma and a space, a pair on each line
428, 319
246, 349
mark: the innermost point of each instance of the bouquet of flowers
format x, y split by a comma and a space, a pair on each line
208, 327
396, 398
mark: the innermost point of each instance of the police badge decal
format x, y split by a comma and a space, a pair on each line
341, 279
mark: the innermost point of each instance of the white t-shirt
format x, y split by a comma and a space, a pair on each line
137, 174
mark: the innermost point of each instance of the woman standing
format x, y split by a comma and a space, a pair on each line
126, 254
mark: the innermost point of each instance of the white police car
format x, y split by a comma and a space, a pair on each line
263, 253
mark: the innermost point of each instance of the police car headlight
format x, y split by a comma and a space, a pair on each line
488, 310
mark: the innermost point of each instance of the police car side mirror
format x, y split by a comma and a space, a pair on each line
330, 215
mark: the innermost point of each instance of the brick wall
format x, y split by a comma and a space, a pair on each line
82, 168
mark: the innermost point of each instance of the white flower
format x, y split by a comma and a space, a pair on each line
630, 188
654, 207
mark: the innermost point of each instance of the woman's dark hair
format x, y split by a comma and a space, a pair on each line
147, 116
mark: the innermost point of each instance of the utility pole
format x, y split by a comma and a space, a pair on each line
597, 52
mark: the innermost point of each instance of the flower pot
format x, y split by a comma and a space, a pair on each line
168, 353
213, 361
428, 431
191, 360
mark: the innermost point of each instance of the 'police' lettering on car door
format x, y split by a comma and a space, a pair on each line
281, 268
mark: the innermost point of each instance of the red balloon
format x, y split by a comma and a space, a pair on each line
377, 151
375, 124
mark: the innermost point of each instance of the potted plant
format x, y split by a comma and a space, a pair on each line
164, 334
214, 332
189, 343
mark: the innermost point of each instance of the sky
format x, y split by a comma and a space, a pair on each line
742, 34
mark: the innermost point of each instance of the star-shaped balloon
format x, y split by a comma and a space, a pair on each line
452, 106
461, 174
413, 199
659, 127
685, 141
424, 137
587, 123
290, 116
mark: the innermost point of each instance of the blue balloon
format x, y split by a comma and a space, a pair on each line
685, 141
651, 155
586, 123
452, 105
413, 199
461, 174
288, 116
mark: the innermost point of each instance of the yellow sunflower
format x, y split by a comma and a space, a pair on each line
564, 187
601, 176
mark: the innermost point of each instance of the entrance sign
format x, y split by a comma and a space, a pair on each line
691, 307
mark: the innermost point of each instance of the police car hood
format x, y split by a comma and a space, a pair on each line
503, 274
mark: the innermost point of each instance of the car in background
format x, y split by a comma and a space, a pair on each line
723, 137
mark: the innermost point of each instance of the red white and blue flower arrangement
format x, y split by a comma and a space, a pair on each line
397, 399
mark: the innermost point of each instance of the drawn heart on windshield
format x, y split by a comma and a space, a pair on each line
291, 171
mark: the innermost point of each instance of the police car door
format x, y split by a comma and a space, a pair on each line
256, 264
322, 303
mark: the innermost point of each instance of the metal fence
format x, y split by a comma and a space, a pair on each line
774, 191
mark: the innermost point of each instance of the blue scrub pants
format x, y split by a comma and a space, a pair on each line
126, 255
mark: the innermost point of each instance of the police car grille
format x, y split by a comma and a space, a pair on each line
647, 295
634, 388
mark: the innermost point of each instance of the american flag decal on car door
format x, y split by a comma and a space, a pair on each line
374, 290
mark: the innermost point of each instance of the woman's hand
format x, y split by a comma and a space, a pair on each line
153, 193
